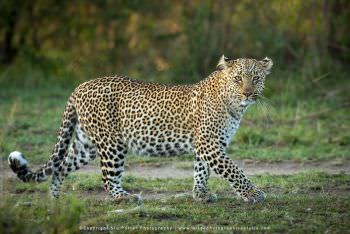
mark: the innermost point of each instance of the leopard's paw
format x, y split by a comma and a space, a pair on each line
254, 195
128, 198
205, 197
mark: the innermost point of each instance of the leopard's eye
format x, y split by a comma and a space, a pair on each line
255, 79
238, 78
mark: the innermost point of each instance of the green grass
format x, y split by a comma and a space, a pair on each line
303, 182
300, 121
305, 202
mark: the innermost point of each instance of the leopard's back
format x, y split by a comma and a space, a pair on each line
152, 119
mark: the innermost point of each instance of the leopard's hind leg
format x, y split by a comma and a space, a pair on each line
80, 152
112, 151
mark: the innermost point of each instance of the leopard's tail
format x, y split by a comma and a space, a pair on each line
19, 164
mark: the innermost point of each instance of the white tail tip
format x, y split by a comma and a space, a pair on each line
19, 156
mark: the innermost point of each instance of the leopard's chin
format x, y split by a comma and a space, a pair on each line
247, 102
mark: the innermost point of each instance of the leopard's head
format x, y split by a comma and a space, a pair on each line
244, 78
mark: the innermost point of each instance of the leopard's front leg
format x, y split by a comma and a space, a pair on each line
201, 176
212, 152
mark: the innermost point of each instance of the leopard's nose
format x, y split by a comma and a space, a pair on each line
247, 93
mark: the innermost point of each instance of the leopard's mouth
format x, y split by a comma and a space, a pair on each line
248, 100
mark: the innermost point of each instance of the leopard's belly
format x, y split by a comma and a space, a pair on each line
160, 145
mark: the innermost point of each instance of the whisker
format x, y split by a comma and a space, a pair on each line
266, 106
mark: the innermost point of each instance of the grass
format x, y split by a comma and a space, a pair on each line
306, 202
302, 120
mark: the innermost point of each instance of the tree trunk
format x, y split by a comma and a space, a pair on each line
8, 51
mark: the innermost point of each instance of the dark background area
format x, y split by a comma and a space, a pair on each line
176, 41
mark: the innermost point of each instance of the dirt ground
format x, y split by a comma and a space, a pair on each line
250, 167
184, 169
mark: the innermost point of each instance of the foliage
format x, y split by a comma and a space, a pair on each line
167, 41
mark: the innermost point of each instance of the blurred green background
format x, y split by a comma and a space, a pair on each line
47, 47
66, 42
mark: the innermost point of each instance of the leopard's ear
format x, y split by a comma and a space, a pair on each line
222, 62
267, 64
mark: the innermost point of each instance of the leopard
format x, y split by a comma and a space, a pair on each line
110, 117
